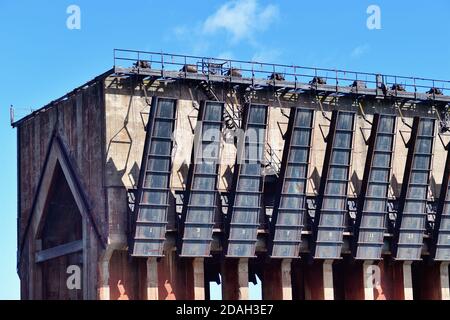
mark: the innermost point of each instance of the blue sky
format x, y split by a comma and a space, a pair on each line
42, 59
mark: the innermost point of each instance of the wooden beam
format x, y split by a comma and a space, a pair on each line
59, 251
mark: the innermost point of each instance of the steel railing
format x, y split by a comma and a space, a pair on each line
292, 73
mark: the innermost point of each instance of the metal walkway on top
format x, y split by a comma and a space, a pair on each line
289, 77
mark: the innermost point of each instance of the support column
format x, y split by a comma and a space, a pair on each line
103, 288
168, 277
152, 279
444, 277
243, 278
286, 279
328, 280
407, 280
369, 277
199, 279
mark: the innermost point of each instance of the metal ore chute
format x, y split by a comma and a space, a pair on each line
412, 215
290, 206
370, 223
245, 206
201, 199
329, 219
152, 201
441, 234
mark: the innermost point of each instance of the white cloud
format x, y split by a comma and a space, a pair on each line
240, 18
359, 51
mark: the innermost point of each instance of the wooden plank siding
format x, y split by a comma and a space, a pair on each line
79, 122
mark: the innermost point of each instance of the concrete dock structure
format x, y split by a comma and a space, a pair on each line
169, 172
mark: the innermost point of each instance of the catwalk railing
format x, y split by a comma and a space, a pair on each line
316, 78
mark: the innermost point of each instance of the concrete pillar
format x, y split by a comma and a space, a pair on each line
199, 279
407, 281
168, 277
103, 288
286, 279
328, 280
152, 279
243, 278
444, 277
369, 272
